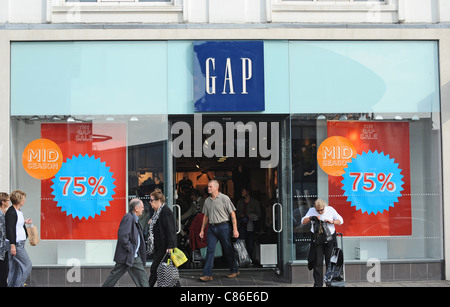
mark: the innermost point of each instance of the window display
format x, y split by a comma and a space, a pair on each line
379, 175
86, 198
78, 209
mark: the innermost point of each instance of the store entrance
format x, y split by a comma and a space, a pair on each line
243, 154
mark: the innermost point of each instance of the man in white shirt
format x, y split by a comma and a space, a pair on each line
328, 217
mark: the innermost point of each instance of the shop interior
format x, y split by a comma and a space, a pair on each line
191, 176
234, 174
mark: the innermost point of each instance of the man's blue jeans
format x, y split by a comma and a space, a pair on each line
222, 233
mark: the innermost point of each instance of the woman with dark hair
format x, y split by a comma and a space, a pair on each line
248, 213
162, 235
4, 245
19, 261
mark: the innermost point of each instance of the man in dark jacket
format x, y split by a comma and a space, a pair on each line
130, 249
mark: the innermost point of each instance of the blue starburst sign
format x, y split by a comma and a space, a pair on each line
83, 187
372, 182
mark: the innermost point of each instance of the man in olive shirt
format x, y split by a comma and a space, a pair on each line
218, 210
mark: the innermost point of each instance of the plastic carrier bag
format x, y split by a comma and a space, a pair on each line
241, 253
178, 257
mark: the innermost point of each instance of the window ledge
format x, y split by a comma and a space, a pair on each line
327, 7
115, 7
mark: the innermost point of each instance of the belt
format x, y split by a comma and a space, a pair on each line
218, 224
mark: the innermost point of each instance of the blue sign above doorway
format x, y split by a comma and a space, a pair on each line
228, 76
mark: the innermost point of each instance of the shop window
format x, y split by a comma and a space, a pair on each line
381, 172
79, 173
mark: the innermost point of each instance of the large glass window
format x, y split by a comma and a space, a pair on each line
92, 133
79, 173
381, 172
384, 108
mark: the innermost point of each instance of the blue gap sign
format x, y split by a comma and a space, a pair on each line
228, 76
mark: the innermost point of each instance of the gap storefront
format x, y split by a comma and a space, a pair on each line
356, 123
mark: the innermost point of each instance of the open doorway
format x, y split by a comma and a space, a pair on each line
238, 162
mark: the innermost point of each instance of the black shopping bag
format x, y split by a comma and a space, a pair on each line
167, 273
334, 277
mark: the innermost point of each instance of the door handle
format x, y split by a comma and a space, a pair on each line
178, 208
274, 219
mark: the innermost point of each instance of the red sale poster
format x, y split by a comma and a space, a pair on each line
86, 199
373, 190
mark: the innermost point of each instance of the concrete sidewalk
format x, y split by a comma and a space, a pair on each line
268, 278
423, 283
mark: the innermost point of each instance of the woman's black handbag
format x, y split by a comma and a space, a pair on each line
167, 273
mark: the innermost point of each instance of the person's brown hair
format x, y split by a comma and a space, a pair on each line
158, 195
4, 196
17, 196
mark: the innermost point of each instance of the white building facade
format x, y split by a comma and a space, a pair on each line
348, 101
